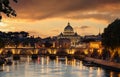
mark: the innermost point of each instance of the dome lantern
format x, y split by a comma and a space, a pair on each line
68, 28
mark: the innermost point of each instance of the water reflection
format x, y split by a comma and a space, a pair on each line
60, 67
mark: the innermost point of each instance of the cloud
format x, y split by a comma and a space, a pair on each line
35, 16
84, 27
55, 30
86, 30
75, 9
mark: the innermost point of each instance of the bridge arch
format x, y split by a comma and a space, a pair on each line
62, 52
26, 52
43, 52
7, 51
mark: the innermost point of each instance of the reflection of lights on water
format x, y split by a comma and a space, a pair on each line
13, 64
57, 60
70, 62
42, 60
47, 60
84, 67
91, 70
66, 70
66, 61
7, 68
111, 74
3, 67
81, 65
98, 71
73, 62
38, 60
28, 59
54, 61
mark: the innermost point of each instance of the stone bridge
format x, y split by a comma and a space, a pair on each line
31, 50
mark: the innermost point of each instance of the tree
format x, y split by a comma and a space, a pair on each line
105, 54
6, 8
2, 44
24, 34
48, 44
111, 35
16, 41
111, 39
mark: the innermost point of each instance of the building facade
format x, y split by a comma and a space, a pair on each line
70, 34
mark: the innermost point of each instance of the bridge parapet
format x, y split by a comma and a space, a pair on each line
31, 50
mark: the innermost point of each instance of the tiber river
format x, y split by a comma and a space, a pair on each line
44, 67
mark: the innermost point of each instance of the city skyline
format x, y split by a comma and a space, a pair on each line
48, 18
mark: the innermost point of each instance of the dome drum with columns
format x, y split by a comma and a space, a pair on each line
70, 34
68, 30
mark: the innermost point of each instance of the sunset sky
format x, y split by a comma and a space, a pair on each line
49, 17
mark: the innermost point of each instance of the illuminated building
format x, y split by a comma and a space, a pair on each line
70, 34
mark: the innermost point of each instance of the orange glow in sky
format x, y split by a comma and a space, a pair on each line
49, 17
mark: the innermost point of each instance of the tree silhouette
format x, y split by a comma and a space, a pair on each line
48, 44
111, 41
111, 35
6, 8
1, 43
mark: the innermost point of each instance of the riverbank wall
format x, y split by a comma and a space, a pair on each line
103, 63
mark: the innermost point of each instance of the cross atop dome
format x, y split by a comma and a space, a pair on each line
68, 23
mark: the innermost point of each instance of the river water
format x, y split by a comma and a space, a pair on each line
44, 67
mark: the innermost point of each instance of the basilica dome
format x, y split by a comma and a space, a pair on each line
69, 34
68, 28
